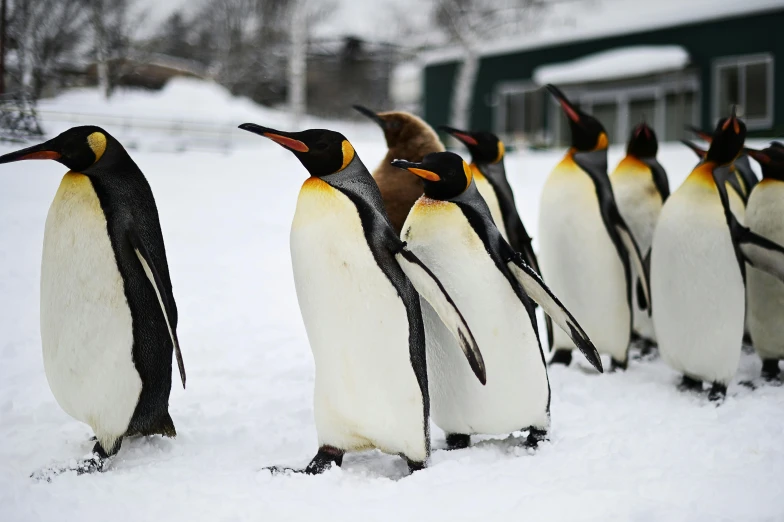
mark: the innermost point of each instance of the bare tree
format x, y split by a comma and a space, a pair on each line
469, 22
114, 25
46, 36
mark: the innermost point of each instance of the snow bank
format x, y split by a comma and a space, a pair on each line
624, 62
624, 446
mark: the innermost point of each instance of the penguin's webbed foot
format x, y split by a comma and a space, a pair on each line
717, 393
414, 465
771, 371
89, 464
616, 365
535, 436
561, 356
690, 384
456, 441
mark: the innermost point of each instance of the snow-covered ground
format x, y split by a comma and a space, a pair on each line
624, 446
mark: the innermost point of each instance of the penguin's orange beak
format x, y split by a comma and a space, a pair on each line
732, 120
566, 105
413, 168
36, 152
276, 136
463, 136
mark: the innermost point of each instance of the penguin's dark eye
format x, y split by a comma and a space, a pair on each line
320, 146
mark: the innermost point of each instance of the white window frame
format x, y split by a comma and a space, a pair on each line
741, 62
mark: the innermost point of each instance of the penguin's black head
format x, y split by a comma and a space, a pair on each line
771, 160
445, 174
485, 147
727, 140
588, 134
643, 142
322, 152
78, 148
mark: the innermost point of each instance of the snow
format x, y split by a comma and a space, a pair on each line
574, 22
624, 62
624, 446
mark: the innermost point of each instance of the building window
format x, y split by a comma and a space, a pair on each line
745, 81
520, 114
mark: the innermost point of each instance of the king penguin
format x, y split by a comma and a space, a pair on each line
108, 316
452, 230
586, 249
698, 269
641, 187
358, 288
409, 138
765, 216
489, 174
744, 180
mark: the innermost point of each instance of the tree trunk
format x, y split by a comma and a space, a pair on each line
298, 63
463, 90
2, 46
99, 30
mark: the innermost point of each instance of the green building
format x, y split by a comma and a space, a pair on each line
669, 69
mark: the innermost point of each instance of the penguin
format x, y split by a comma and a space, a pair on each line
108, 315
451, 229
489, 174
409, 138
640, 185
698, 269
765, 216
359, 289
745, 179
586, 249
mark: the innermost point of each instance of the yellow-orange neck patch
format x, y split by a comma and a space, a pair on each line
97, 143
468, 174
348, 154
602, 142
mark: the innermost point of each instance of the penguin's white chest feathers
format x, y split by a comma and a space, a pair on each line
765, 216
86, 328
516, 394
366, 392
696, 285
580, 262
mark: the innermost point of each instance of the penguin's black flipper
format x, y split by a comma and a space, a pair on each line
429, 287
164, 298
636, 258
759, 252
743, 165
699, 151
659, 177
539, 292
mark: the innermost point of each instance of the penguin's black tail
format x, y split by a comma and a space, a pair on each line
165, 426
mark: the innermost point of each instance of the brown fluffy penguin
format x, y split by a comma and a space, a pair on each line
408, 138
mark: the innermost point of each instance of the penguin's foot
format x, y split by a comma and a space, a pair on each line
91, 463
748, 344
689, 384
648, 349
561, 356
455, 441
326, 456
717, 393
414, 465
616, 365
535, 436
770, 370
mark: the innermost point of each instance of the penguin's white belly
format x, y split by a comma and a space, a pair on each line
488, 194
516, 395
366, 393
764, 216
640, 205
86, 328
580, 262
697, 289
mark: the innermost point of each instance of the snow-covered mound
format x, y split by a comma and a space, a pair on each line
187, 114
624, 446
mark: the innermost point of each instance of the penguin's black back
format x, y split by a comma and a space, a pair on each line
127, 201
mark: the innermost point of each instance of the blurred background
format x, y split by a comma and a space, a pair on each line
187, 71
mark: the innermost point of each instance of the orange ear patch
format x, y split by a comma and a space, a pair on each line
289, 143
602, 142
348, 154
468, 174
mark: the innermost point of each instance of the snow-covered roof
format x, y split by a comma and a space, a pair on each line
594, 20
625, 62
